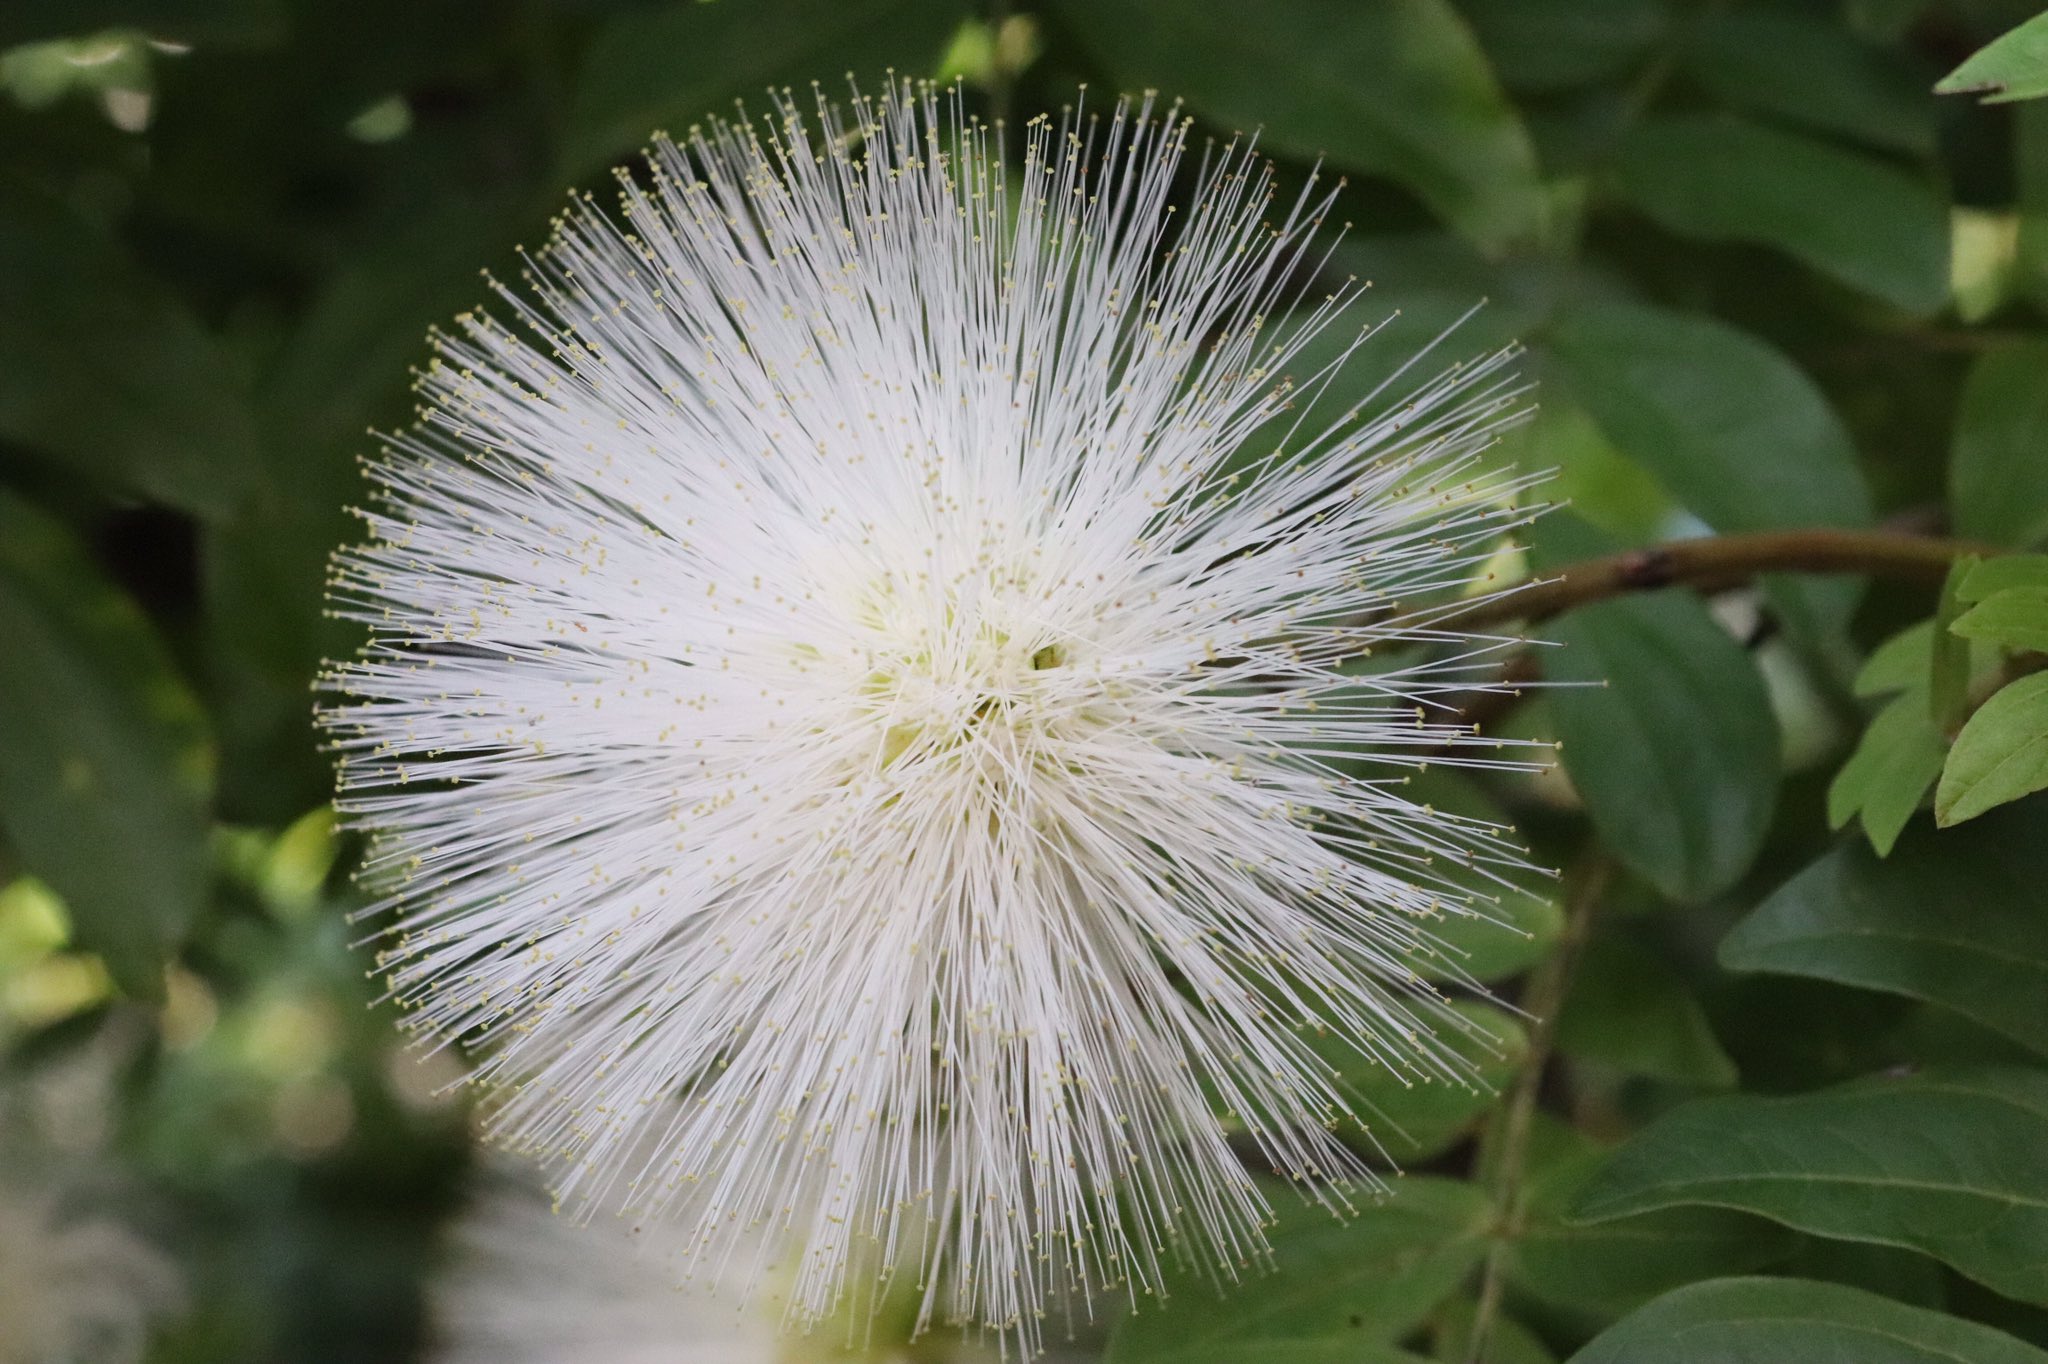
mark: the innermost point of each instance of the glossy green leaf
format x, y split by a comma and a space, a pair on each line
1734, 430
669, 66
1595, 479
1609, 1267
1676, 755
1397, 88
1629, 1011
1411, 1122
104, 370
1853, 217
1948, 654
1951, 918
1514, 928
1900, 753
105, 766
1998, 464
1899, 663
1779, 1321
343, 368
1902, 1275
1810, 70
1952, 1165
1897, 758
1430, 292
1333, 1286
1430, 302
1737, 433
2000, 755
2030, 173
1407, 1119
2012, 66
1515, 933
2016, 617
1334, 1351
1996, 574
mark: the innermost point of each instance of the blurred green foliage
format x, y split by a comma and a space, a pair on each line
1767, 280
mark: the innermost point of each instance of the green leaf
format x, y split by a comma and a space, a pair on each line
1517, 932
1737, 433
1777, 1321
2001, 754
1431, 302
1335, 1286
672, 65
1952, 1165
1407, 1119
1998, 464
344, 367
1948, 655
2006, 570
1427, 290
1901, 662
103, 369
1901, 752
1896, 760
1610, 1267
1677, 758
1508, 1342
1629, 1011
1514, 929
2016, 617
105, 767
2012, 66
1586, 471
1396, 88
1813, 71
1413, 1121
2030, 173
346, 364
1558, 44
1335, 1351
1853, 217
1902, 1275
1949, 918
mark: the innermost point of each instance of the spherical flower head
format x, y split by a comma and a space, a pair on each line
522, 1284
886, 708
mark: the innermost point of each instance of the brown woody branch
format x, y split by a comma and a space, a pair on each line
1716, 564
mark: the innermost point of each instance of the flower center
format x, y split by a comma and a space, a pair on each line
944, 698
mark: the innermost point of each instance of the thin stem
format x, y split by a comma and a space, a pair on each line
1715, 564
1505, 1151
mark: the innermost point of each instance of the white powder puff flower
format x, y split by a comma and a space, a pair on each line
870, 647
525, 1285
